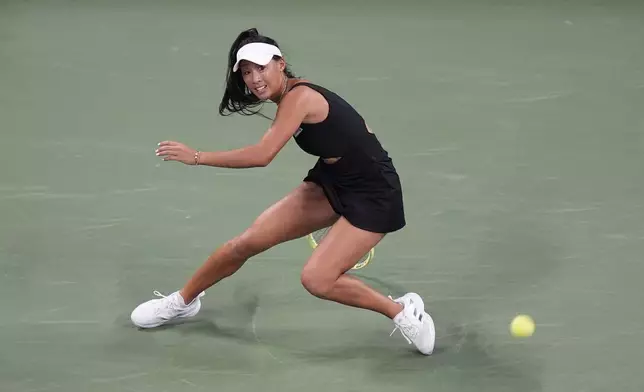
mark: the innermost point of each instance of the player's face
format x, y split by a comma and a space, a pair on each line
265, 81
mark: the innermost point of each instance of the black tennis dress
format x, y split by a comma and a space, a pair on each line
363, 186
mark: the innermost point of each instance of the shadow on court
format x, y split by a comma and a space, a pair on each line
464, 358
520, 253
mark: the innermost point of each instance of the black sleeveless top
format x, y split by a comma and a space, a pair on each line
342, 133
362, 185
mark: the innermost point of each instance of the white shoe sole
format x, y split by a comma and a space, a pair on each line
432, 331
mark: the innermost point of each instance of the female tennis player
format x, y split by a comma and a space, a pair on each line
353, 189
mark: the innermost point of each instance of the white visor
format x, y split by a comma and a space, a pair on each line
256, 52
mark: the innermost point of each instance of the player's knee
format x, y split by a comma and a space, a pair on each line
316, 282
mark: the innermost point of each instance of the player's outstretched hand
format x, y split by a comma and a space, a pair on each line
175, 151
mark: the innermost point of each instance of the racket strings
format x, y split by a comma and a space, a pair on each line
317, 236
320, 234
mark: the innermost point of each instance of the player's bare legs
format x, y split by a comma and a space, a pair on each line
302, 211
325, 276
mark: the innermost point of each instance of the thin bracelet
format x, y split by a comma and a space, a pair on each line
197, 156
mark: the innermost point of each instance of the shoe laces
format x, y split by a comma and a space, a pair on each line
174, 300
171, 301
406, 330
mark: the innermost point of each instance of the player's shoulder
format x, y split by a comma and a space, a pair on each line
300, 93
301, 86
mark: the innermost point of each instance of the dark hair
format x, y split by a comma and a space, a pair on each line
237, 98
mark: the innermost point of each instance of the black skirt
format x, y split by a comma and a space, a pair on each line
367, 192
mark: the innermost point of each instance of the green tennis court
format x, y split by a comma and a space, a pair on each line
517, 128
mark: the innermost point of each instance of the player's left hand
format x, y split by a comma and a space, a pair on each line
175, 151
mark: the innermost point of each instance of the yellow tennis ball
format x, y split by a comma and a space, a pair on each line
522, 326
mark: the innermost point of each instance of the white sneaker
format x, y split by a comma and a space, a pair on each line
157, 312
415, 324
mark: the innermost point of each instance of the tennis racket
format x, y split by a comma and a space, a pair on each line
316, 237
